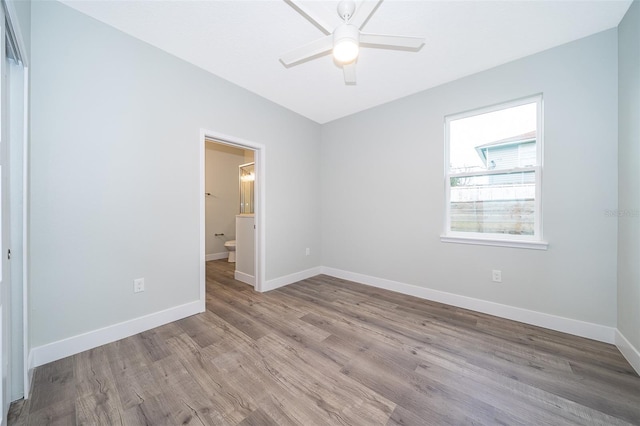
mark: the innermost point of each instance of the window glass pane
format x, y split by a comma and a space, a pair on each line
498, 203
497, 140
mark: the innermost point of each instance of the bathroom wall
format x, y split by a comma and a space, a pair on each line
222, 206
383, 189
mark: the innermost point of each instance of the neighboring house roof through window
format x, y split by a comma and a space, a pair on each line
483, 149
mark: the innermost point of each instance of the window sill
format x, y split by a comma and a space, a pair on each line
496, 242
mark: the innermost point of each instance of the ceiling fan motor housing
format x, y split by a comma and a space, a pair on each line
346, 31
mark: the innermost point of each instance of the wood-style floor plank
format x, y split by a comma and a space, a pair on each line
97, 398
327, 351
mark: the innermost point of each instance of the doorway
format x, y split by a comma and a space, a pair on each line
210, 243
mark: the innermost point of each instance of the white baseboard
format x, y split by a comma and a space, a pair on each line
57, 350
245, 278
63, 348
566, 325
291, 278
216, 256
631, 353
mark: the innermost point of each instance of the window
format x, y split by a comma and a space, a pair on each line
493, 167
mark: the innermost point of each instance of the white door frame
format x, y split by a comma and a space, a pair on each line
18, 158
5, 234
259, 158
11, 16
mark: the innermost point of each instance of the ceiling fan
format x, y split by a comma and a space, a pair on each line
343, 35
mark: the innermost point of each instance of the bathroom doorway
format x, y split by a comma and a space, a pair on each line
228, 227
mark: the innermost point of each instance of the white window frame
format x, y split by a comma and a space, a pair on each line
534, 241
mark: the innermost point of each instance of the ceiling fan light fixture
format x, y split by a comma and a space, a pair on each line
346, 51
346, 44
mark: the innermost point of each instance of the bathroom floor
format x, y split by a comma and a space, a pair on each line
220, 271
326, 351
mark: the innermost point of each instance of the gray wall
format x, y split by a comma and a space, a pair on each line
383, 189
114, 174
629, 176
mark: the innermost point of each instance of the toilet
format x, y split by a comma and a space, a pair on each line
231, 246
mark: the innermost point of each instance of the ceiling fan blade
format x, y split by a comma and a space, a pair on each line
364, 10
407, 42
308, 51
316, 15
349, 73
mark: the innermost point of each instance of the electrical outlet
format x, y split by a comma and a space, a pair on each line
496, 275
308, 251
138, 285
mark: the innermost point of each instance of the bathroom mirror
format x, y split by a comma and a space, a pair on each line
247, 178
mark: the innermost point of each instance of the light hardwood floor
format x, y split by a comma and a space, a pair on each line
326, 351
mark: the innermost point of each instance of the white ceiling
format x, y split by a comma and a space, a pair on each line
241, 41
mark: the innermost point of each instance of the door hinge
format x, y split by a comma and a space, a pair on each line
9, 254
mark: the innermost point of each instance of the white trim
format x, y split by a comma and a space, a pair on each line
631, 353
534, 245
18, 220
540, 168
201, 221
494, 172
476, 237
495, 107
217, 256
292, 278
30, 367
245, 278
26, 196
260, 203
70, 346
566, 325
